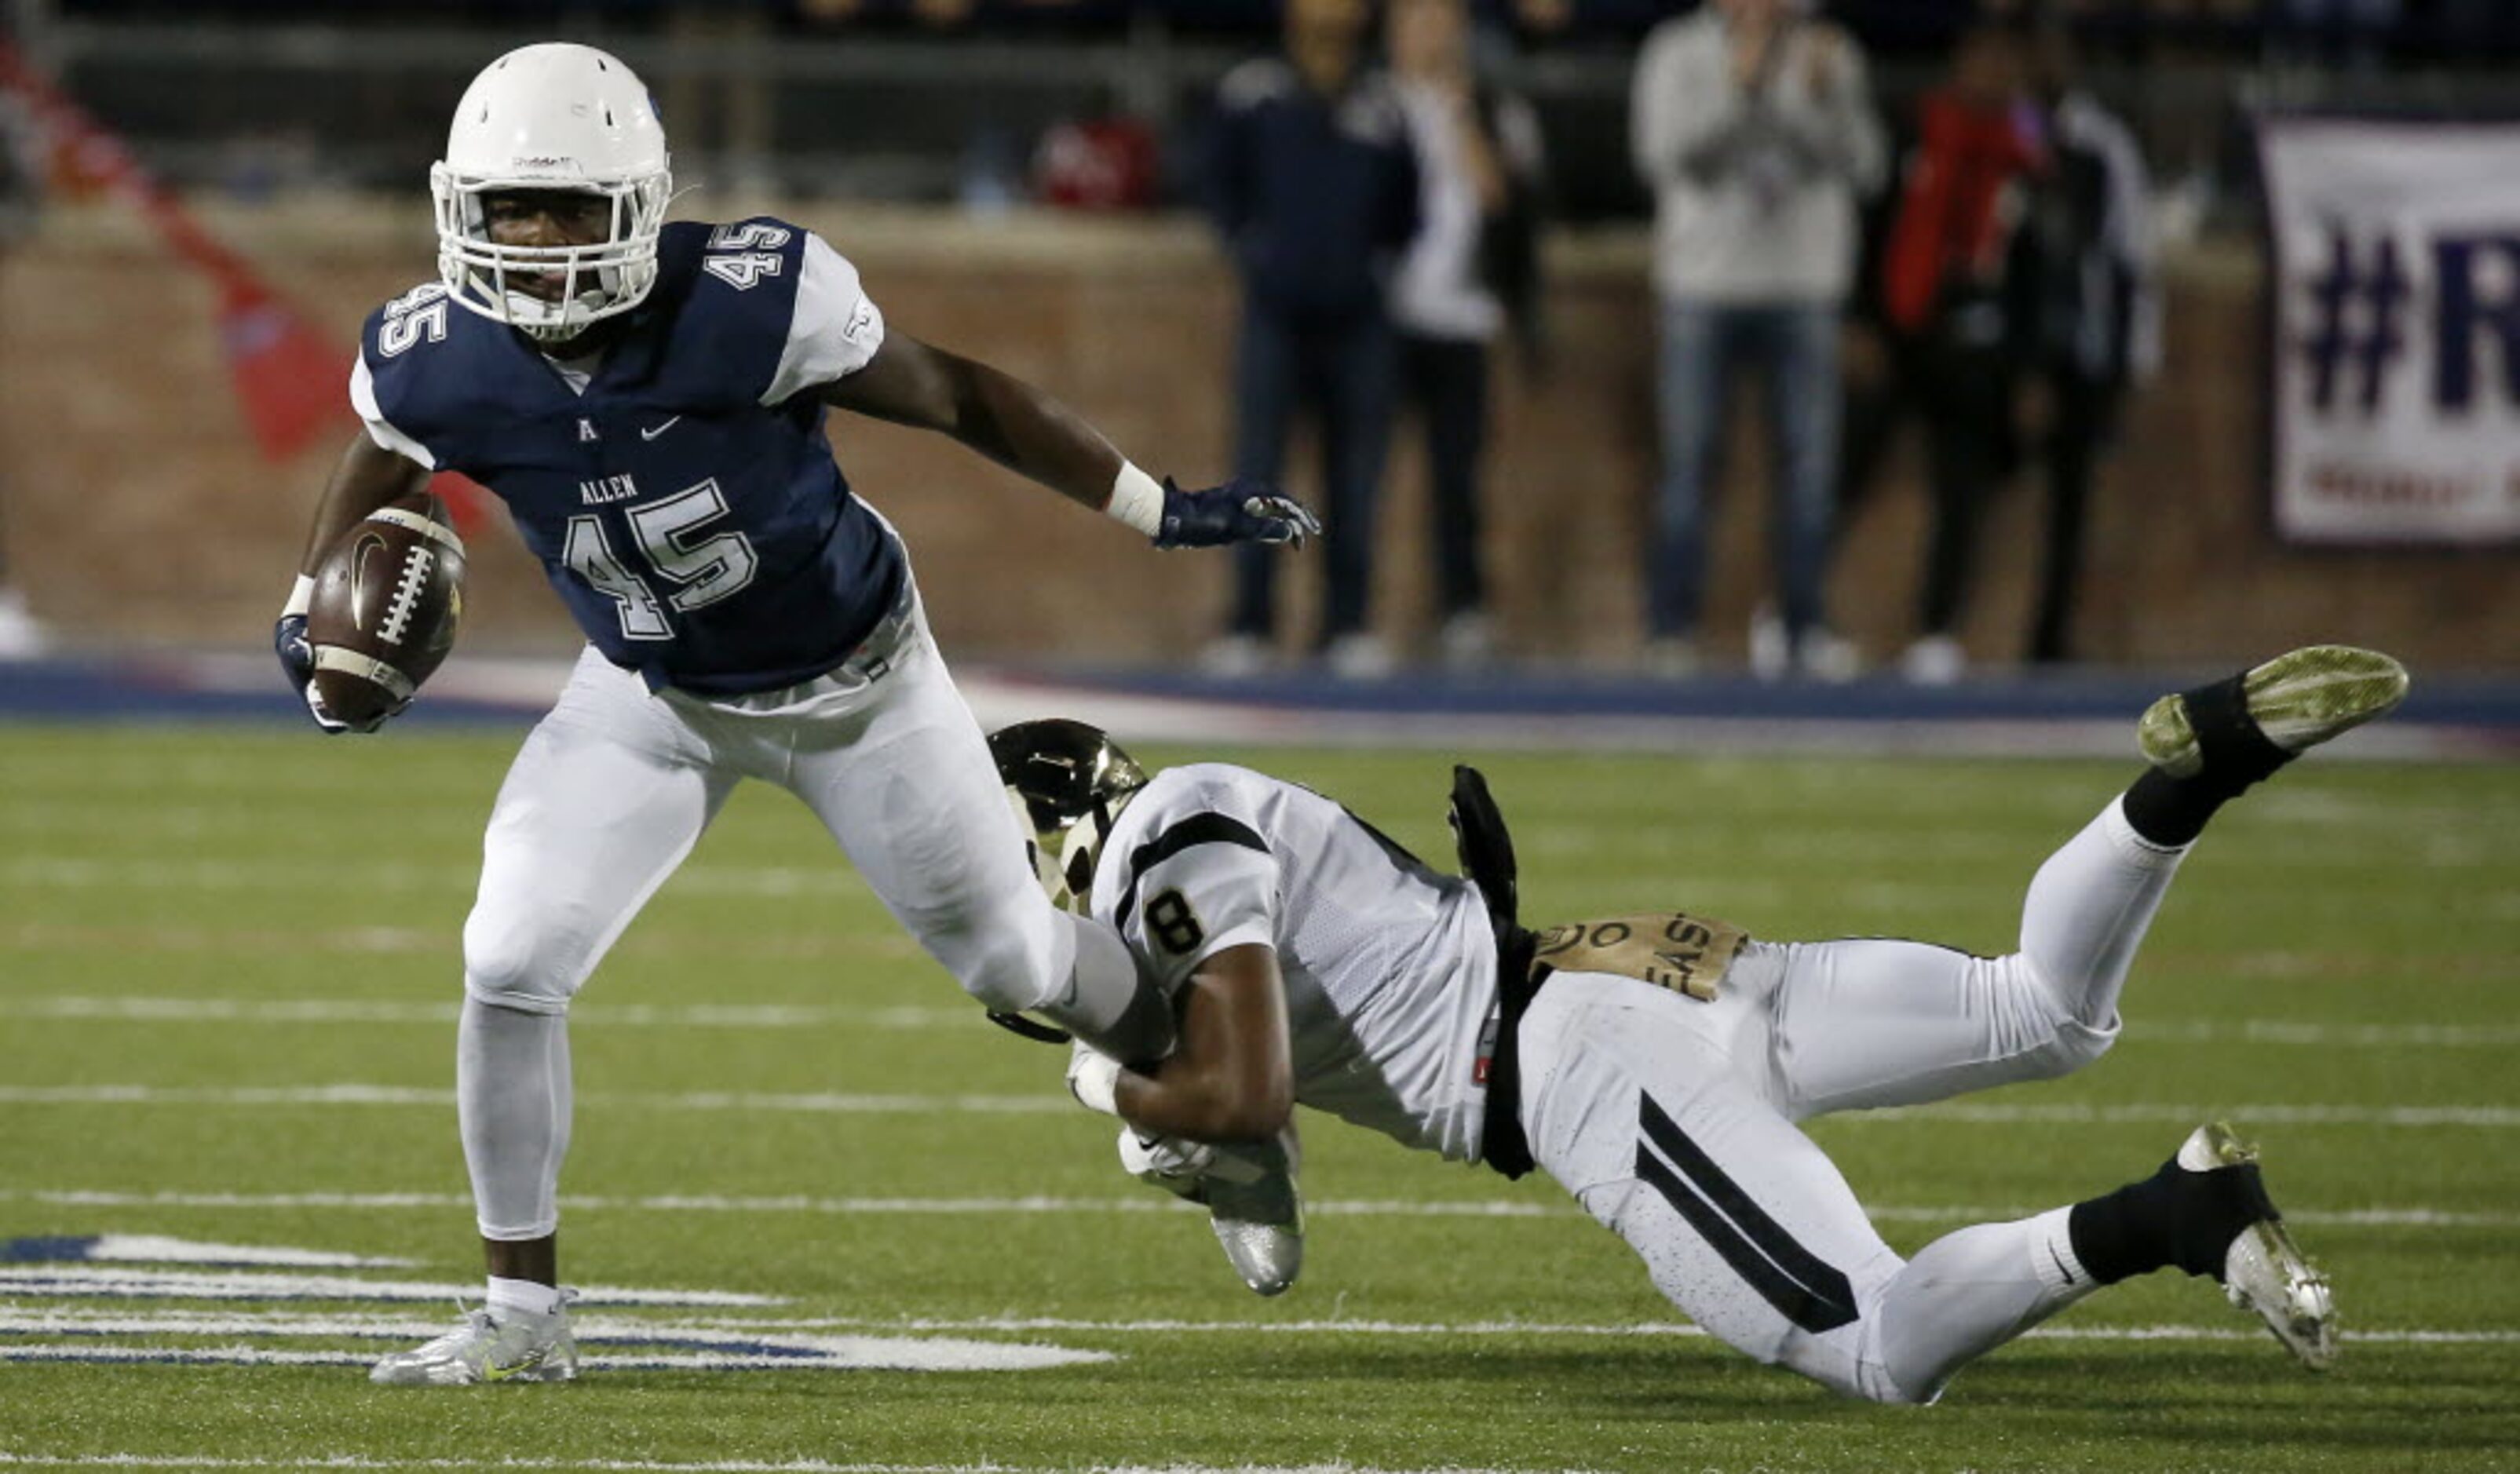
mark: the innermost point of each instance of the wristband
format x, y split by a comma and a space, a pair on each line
1137, 499
301, 597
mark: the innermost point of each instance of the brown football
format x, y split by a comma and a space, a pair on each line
387, 600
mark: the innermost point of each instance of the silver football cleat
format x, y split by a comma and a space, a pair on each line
512, 1346
1258, 1212
2264, 1271
1248, 1190
2298, 700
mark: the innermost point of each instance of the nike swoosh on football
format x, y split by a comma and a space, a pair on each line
650, 435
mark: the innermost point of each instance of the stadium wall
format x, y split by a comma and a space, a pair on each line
134, 505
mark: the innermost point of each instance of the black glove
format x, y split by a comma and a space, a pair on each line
1238, 512
297, 661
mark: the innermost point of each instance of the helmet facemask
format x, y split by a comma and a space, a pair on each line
599, 280
553, 119
1063, 857
1068, 784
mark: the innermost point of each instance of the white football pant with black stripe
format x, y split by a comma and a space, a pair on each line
1674, 1120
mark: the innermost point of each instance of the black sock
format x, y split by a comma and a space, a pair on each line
2236, 754
2171, 812
2173, 1217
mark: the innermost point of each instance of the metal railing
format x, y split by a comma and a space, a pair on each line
260, 108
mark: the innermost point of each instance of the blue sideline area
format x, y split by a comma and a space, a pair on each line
2064, 714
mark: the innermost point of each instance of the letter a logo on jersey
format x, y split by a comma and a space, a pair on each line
586, 429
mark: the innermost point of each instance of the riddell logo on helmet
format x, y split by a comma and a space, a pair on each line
545, 162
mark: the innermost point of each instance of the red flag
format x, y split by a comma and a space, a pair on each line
288, 379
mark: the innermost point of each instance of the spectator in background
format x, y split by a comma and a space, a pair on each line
1753, 123
22, 637
1314, 189
1956, 307
2099, 313
1470, 272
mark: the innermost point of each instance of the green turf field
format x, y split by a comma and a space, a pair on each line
231, 958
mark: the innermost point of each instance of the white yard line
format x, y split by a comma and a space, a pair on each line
723, 1344
2393, 1216
370, 878
821, 1103
2489, 1117
113, 1009
2278, 1031
657, 1466
88, 1281
333, 1010
2484, 1117
863, 1354
2239, 1329
803, 1333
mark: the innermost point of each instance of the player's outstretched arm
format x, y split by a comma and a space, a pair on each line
1231, 1077
1033, 434
367, 477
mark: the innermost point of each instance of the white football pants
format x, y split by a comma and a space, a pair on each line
1673, 1120
612, 791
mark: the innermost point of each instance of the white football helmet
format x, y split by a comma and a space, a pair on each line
553, 117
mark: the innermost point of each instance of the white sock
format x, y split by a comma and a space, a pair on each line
511, 1100
1968, 1292
512, 1295
2051, 1254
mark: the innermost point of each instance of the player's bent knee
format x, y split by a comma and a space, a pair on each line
2077, 1045
1859, 1370
2047, 1035
518, 968
1003, 972
2069, 1046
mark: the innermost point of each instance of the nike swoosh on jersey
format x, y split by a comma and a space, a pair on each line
650, 435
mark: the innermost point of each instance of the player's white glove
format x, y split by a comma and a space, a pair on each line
1094, 1079
1178, 1167
1249, 1191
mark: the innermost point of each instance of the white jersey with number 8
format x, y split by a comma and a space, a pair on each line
1389, 966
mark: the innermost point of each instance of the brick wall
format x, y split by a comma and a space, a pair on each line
134, 506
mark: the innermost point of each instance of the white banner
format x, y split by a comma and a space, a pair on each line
2394, 366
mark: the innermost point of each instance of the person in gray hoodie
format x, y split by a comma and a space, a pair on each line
1753, 123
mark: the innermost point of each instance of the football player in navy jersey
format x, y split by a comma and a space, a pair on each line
648, 400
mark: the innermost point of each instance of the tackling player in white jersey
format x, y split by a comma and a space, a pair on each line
1658, 1066
648, 400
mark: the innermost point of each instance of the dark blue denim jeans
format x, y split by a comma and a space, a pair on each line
1794, 346
1339, 368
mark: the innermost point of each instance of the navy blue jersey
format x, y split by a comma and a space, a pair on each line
698, 535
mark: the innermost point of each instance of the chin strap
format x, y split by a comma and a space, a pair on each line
1017, 1023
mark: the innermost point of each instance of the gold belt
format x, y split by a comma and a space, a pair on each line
1674, 950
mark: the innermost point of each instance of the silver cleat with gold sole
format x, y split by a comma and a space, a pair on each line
2264, 1272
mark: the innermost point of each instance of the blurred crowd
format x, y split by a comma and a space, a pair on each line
1978, 264
2443, 29
1971, 260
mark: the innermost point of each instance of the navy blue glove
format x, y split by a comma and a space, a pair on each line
1238, 512
297, 661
